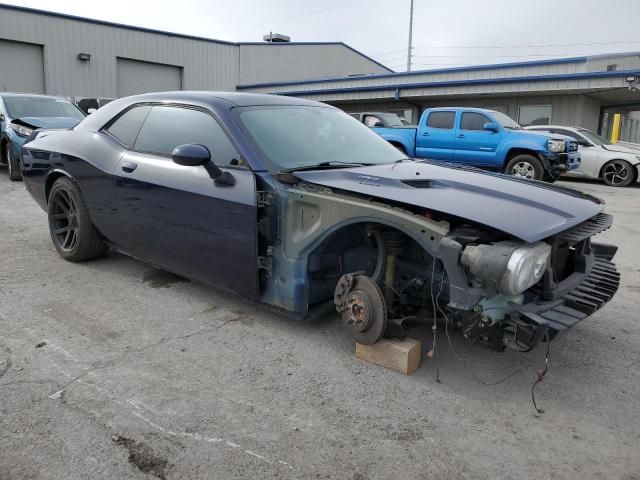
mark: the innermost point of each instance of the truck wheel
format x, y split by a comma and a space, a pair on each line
72, 233
13, 165
618, 173
525, 166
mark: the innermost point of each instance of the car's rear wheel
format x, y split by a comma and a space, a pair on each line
72, 233
525, 166
618, 173
13, 165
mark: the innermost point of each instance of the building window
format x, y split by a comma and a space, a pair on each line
534, 115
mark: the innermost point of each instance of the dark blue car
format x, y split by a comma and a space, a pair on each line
21, 114
297, 205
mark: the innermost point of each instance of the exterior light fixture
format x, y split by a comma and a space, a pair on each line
84, 57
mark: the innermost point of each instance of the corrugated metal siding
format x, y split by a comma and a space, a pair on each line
136, 77
21, 67
206, 65
427, 77
289, 62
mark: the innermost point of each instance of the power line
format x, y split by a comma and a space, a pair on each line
533, 55
532, 46
431, 47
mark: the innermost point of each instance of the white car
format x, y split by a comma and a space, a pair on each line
616, 165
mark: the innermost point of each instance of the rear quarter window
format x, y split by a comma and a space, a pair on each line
442, 120
126, 127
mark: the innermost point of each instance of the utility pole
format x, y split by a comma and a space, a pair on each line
409, 50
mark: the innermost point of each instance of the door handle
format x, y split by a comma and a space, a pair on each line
129, 167
425, 134
460, 135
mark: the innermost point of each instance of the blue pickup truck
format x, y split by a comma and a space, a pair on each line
487, 139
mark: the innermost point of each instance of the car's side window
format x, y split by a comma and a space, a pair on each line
443, 120
473, 121
167, 127
126, 127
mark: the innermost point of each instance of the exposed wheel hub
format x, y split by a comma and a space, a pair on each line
357, 314
361, 304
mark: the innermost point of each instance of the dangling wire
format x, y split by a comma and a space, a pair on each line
540, 374
434, 348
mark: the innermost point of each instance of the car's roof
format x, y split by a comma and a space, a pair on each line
466, 109
543, 127
238, 99
215, 100
11, 94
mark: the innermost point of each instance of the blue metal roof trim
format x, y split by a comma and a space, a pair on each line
494, 66
450, 83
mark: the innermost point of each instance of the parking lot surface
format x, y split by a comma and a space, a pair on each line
112, 369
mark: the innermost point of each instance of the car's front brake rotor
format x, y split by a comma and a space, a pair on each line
362, 307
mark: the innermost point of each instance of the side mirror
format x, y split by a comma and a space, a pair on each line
492, 127
378, 124
191, 155
584, 143
91, 110
194, 155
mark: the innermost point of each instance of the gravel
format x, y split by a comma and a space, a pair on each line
111, 369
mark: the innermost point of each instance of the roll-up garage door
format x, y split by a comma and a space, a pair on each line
135, 76
21, 67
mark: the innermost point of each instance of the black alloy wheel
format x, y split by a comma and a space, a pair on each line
72, 232
64, 216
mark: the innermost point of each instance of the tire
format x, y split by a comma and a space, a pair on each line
618, 173
13, 165
72, 233
525, 166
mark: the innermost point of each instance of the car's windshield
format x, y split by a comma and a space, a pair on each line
23, 106
299, 136
593, 137
505, 120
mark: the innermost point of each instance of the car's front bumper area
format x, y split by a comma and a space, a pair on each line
592, 293
559, 163
593, 281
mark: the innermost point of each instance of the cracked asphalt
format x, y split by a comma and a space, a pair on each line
112, 369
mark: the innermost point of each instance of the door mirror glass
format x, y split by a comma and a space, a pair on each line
191, 155
492, 127
584, 143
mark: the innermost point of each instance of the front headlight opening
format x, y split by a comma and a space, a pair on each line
507, 267
525, 268
556, 146
21, 130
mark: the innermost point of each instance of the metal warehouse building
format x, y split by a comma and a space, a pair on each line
59, 54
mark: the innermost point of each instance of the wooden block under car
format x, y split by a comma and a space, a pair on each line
400, 355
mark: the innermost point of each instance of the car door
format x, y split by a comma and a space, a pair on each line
435, 138
475, 145
176, 216
590, 155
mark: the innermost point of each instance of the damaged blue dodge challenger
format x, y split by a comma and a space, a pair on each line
295, 204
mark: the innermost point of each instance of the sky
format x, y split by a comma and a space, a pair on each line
446, 33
